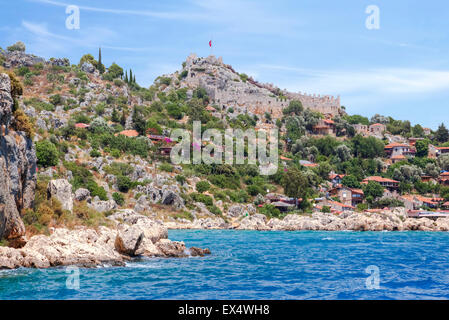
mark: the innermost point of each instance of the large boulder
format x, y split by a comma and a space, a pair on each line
87, 67
61, 190
102, 206
128, 240
239, 210
254, 222
82, 194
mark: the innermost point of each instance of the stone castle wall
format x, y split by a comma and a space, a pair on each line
225, 88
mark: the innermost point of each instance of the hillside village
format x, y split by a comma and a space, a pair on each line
102, 144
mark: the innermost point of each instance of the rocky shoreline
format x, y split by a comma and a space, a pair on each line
134, 235
387, 220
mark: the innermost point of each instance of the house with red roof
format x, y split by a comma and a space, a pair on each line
384, 182
129, 133
81, 125
377, 129
399, 151
347, 196
444, 178
324, 127
336, 178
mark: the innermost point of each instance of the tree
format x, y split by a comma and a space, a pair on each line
407, 173
373, 190
418, 131
100, 65
18, 46
354, 119
99, 125
123, 118
295, 106
196, 111
296, 184
350, 181
377, 118
115, 117
89, 59
432, 170
422, 148
367, 147
139, 121
443, 162
343, 153
115, 71
47, 153
442, 134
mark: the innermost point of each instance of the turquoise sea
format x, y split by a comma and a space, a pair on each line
262, 265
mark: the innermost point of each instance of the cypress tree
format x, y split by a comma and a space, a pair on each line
100, 65
115, 115
126, 76
130, 76
123, 119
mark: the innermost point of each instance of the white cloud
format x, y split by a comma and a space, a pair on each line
230, 15
376, 81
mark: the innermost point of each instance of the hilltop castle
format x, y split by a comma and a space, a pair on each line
229, 89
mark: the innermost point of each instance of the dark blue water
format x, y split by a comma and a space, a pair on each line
263, 265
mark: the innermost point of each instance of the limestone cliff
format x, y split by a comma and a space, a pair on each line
17, 168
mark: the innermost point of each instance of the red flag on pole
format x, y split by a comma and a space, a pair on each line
210, 43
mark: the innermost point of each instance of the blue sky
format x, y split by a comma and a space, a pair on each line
314, 46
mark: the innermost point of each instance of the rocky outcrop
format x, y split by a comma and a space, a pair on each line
239, 210
387, 220
202, 223
20, 59
254, 222
134, 235
168, 195
61, 190
102, 206
82, 194
17, 169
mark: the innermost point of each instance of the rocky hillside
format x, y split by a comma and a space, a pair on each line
17, 165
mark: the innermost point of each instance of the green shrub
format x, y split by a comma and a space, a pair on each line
115, 153
254, 190
96, 190
23, 123
95, 153
56, 99
166, 167
270, 211
119, 169
118, 198
199, 197
124, 183
181, 179
47, 153
215, 210
202, 186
